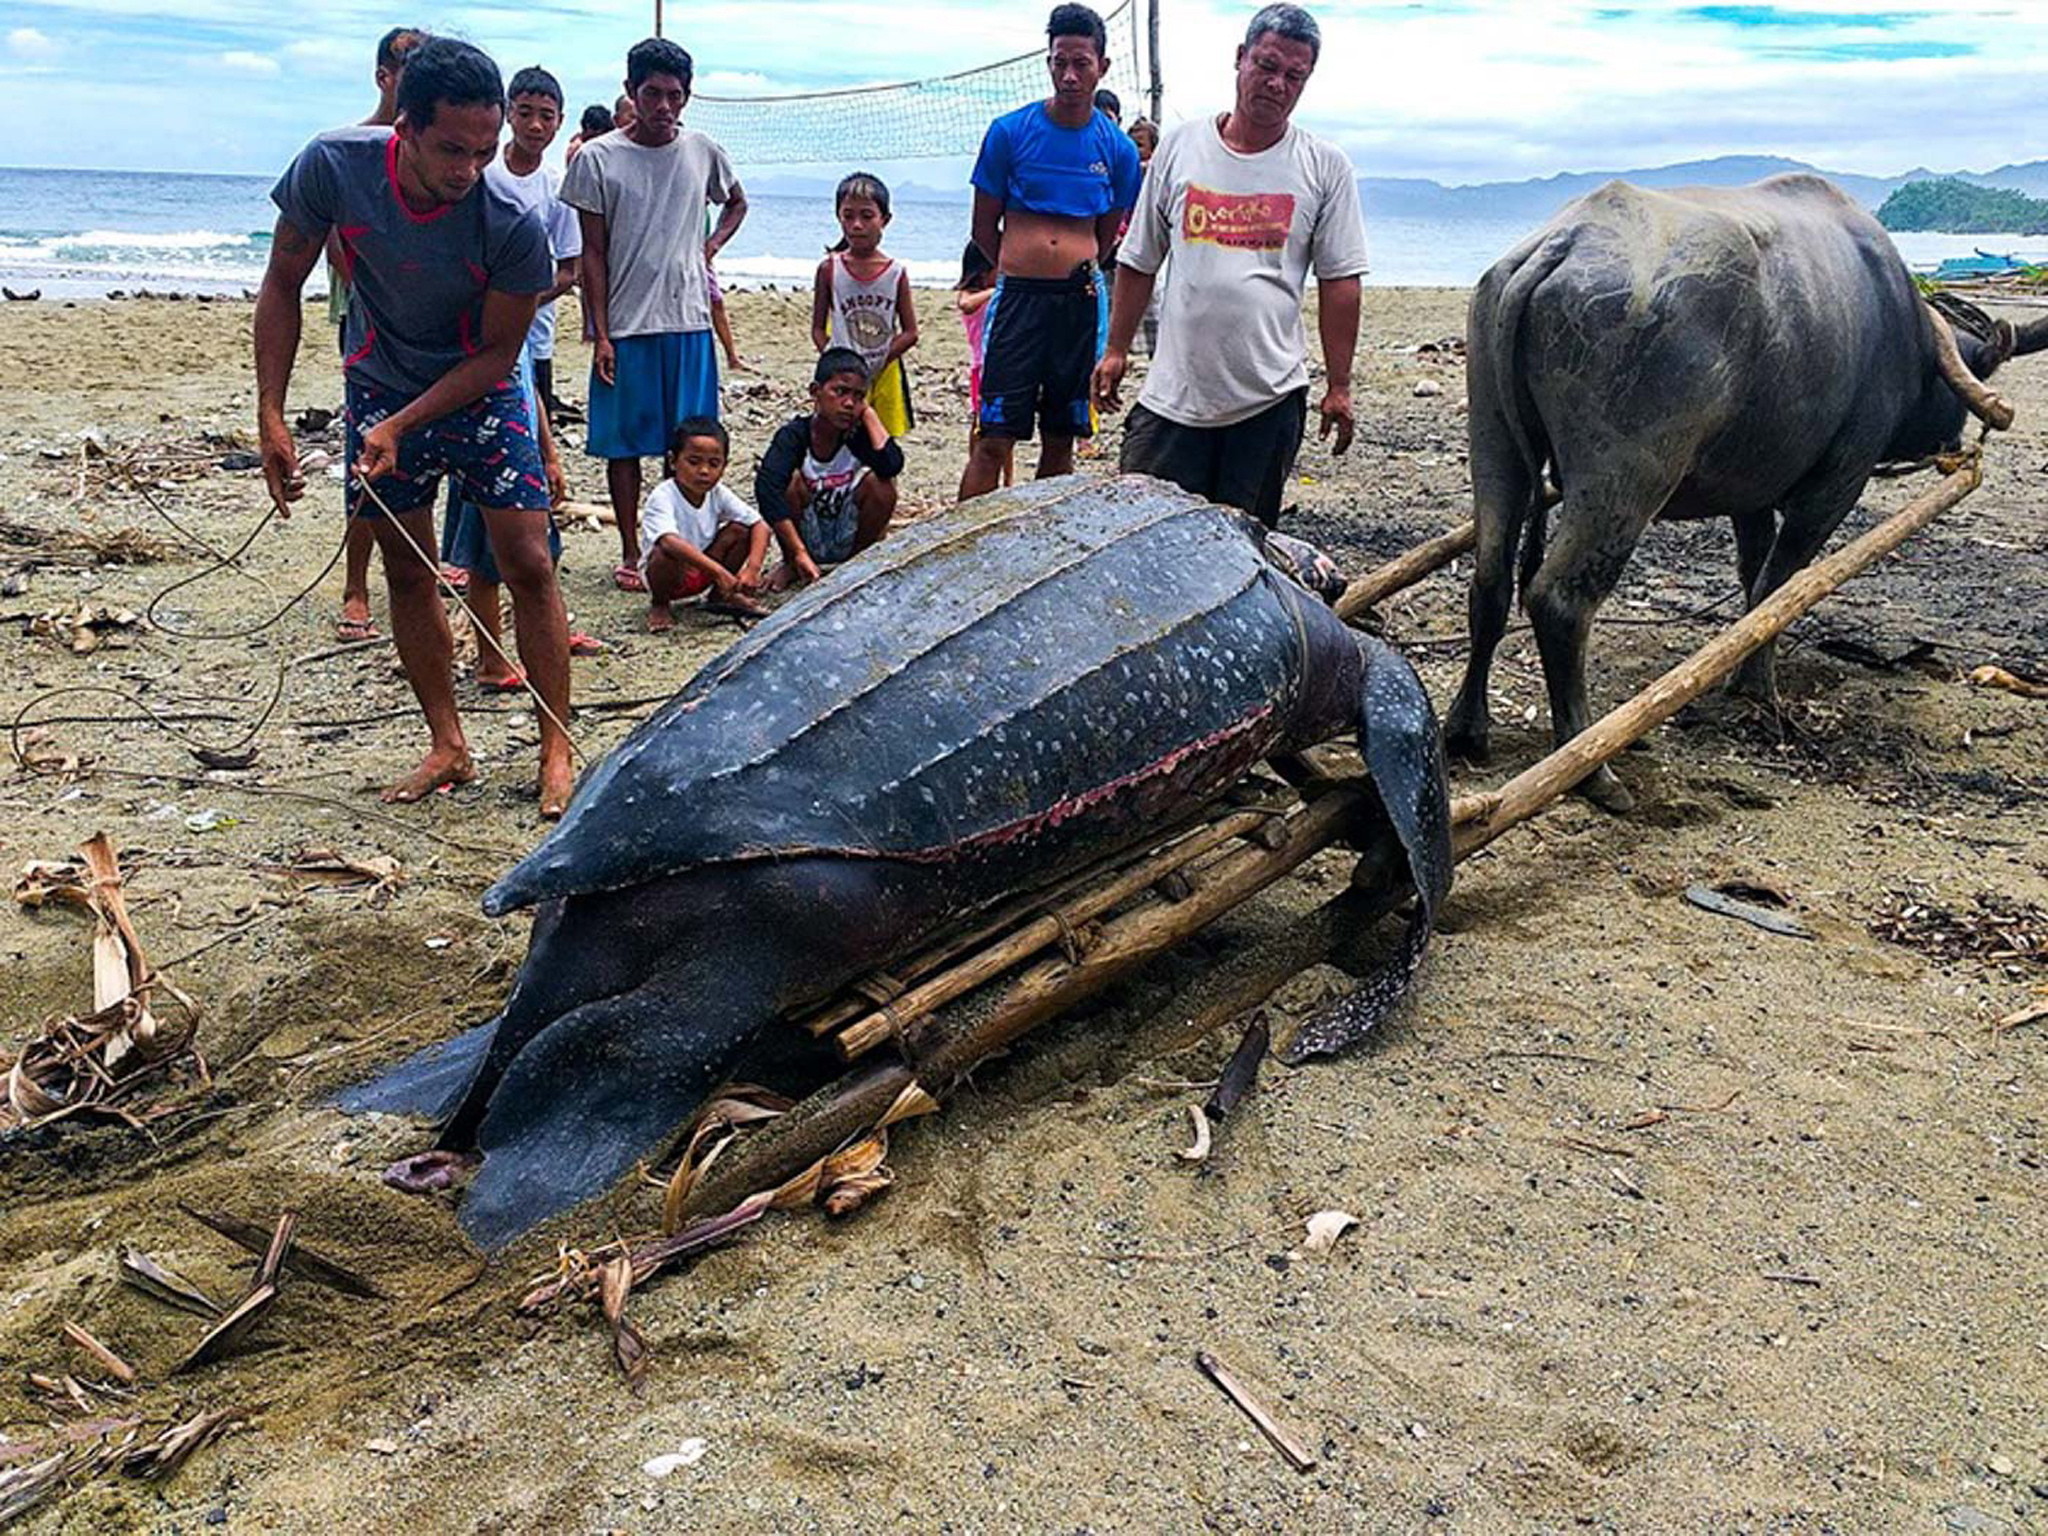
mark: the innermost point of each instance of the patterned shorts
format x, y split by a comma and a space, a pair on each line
488, 448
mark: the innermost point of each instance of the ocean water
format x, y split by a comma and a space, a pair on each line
79, 234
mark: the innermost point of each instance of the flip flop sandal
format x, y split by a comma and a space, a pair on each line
350, 631
502, 684
456, 577
628, 579
581, 644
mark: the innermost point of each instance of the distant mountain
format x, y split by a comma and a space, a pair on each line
1407, 197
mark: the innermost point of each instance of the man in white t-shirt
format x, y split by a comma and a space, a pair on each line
641, 192
1247, 205
533, 113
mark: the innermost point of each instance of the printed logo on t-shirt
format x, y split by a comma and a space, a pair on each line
1242, 221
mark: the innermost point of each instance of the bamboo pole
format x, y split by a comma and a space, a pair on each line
1479, 819
1404, 571
985, 964
943, 1049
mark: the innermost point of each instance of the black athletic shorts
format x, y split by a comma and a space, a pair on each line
1244, 465
1042, 339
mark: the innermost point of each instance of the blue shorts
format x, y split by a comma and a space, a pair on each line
488, 449
465, 541
663, 379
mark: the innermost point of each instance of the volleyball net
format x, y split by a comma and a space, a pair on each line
911, 119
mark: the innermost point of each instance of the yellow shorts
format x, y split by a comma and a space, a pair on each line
889, 394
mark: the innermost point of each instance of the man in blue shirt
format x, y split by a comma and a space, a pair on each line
1052, 186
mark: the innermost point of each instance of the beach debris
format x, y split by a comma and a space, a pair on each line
1289, 1445
1998, 677
43, 881
242, 1319
102, 1356
1723, 902
2032, 1013
298, 1259
322, 866
23, 1489
381, 1447
688, 1454
1198, 1151
1325, 1227
96, 1064
1997, 930
312, 419
83, 628
146, 1275
1426, 389
36, 751
1241, 1072
21, 298
159, 1459
208, 757
629, 1349
67, 545
1917, 656
212, 819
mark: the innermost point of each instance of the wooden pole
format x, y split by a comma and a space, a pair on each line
1158, 90
1479, 819
657, 18
1404, 571
943, 1048
987, 963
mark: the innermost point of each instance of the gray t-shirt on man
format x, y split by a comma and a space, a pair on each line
1244, 232
416, 280
652, 200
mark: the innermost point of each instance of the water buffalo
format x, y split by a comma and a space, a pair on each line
1751, 353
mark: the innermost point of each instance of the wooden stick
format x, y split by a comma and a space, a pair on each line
1403, 571
108, 1361
1478, 820
944, 1049
985, 965
1299, 1456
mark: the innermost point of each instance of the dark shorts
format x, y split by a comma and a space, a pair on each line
1244, 465
1043, 337
487, 448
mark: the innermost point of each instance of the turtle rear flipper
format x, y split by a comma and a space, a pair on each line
1403, 749
429, 1083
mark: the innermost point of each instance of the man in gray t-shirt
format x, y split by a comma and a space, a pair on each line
641, 193
1247, 205
444, 272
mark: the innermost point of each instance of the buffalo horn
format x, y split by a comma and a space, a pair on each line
1985, 404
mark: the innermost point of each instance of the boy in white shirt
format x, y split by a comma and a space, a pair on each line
696, 536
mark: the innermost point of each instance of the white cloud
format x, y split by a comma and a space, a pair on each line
243, 62
329, 52
33, 46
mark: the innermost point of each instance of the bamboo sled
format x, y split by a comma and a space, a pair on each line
952, 1018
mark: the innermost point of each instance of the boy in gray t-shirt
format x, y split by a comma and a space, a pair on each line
443, 274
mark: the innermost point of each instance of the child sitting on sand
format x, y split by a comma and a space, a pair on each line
861, 299
828, 480
696, 536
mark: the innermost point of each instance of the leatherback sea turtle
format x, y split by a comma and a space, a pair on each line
983, 703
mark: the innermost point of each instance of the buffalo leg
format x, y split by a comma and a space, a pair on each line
1503, 494
1808, 519
1597, 529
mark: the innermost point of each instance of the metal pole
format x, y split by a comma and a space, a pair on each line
1158, 90
657, 18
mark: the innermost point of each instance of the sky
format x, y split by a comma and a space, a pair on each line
1457, 90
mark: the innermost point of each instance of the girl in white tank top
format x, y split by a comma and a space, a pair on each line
861, 299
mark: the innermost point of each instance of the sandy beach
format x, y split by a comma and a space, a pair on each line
1666, 1223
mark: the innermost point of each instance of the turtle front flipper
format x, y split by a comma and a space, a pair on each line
1404, 756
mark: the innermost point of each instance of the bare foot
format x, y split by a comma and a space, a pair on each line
425, 1172
443, 765
557, 783
737, 604
660, 619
